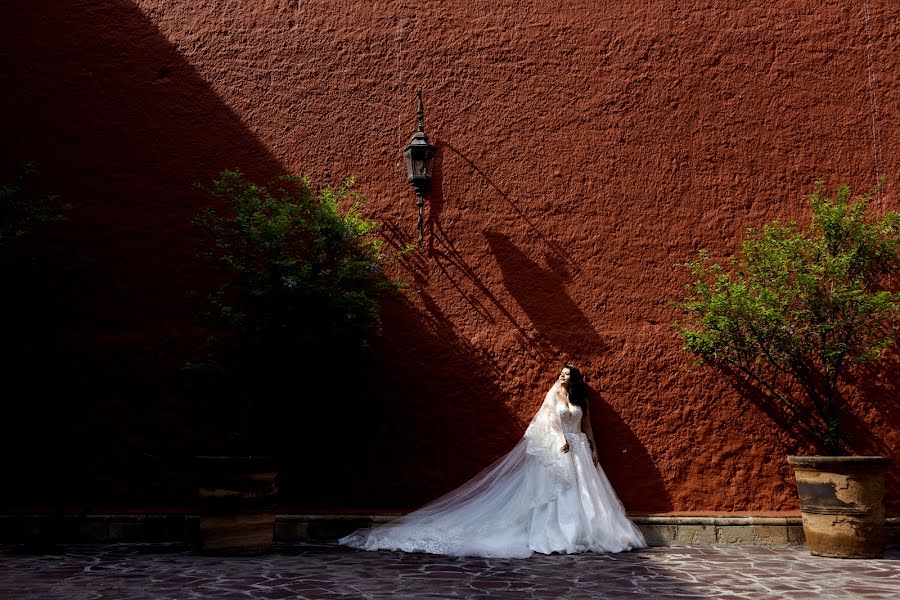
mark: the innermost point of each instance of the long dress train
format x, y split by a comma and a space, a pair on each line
536, 498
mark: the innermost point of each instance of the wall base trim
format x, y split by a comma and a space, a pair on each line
659, 530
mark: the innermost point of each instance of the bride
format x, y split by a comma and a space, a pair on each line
547, 495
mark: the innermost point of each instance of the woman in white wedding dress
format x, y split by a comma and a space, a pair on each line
547, 495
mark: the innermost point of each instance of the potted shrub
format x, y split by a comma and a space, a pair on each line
302, 274
793, 314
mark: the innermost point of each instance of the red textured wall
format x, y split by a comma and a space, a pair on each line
585, 150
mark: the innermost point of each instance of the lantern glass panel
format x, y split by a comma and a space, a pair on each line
410, 165
418, 162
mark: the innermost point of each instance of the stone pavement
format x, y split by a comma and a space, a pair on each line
168, 571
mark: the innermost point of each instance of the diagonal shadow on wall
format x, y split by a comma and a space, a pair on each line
429, 414
542, 295
121, 126
555, 252
442, 254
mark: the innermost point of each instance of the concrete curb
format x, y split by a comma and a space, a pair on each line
659, 530
671, 530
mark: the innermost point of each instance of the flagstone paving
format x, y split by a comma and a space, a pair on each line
165, 571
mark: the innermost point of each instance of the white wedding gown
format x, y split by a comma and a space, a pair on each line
535, 499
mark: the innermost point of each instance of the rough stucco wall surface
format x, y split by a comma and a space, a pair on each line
586, 149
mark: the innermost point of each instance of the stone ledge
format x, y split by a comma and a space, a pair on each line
715, 521
98, 528
659, 530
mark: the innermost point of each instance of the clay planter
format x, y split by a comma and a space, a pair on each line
237, 504
841, 504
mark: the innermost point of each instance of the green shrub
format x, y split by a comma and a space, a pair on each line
303, 269
798, 308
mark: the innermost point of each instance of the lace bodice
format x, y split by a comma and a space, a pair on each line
569, 417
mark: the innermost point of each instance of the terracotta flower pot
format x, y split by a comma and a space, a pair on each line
237, 504
841, 504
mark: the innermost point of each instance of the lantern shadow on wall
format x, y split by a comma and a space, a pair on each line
541, 294
555, 251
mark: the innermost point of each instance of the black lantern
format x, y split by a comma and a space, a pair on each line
419, 161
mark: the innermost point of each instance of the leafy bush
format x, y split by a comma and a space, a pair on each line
303, 269
798, 308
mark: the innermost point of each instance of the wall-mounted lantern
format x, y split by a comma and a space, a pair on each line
419, 161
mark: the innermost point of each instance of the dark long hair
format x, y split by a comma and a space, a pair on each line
577, 393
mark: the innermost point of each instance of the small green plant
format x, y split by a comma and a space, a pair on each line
20, 209
303, 268
798, 308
